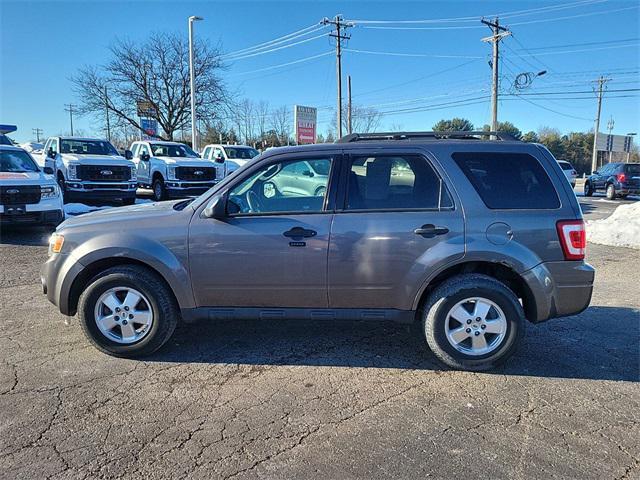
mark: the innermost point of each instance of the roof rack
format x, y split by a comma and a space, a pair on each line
360, 137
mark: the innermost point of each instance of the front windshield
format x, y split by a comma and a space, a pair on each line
16, 161
169, 150
190, 151
241, 153
87, 147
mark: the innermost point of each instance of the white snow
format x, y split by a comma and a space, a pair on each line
32, 146
621, 229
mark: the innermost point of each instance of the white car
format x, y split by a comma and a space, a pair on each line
172, 169
28, 195
232, 156
569, 171
90, 169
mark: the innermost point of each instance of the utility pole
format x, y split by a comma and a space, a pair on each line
69, 108
37, 132
192, 79
610, 124
349, 124
499, 33
594, 159
106, 110
338, 34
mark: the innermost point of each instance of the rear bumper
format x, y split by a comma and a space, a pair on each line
560, 289
628, 190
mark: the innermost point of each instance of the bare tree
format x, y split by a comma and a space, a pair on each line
363, 119
262, 117
280, 122
155, 72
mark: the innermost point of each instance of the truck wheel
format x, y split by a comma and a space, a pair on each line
159, 190
588, 189
63, 188
128, 311
473, 322
611, 192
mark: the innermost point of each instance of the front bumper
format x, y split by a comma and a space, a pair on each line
560, 288
100, 190
41, 217
57, 276
183, 188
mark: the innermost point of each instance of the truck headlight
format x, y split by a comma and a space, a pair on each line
134, 173
171, 172
72, 172
49, 191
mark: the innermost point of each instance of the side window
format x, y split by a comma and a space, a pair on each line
217, 151
206, 152
143, 149
508, 180
54, 145
274, 188
395, 182
134, 150
45, 149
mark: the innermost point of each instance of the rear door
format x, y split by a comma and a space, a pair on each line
398, 221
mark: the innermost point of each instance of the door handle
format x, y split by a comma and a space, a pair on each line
430, 230
299, 232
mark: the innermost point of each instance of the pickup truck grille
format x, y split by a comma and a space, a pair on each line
196, 173
20, 194
103, 173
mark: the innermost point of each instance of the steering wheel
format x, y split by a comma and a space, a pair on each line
255, 204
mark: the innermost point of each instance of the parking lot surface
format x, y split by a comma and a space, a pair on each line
318, 400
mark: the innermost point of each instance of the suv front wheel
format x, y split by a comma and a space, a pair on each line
128, 311
473, 322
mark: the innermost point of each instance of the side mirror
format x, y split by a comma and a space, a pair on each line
218, 158
48, 170
216, 208
128, 154
145, 156
51, 153
307, 173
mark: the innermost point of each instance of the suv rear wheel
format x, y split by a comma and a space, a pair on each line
611, 192
473, 322
128, 311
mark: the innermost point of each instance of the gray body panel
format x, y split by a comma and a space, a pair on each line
365, 264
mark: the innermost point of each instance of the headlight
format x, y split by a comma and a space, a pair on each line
134, 173
72, 173
50, 191
55, 243
171, 172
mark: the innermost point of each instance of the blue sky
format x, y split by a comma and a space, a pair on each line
43, 43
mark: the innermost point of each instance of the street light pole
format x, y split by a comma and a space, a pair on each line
192, 78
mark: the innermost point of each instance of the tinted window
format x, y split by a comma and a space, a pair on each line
4, 140
390, 182
283, 187
87, 147
242, 153
508, 180
633, 168
565, 166
169, 150
16, 161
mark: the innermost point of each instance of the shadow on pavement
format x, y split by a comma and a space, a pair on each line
25, 235
599, 344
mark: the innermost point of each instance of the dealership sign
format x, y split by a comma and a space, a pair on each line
305, 120
614, 143
150, 128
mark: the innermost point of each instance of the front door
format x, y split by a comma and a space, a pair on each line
144, 166
271, 251
397, 220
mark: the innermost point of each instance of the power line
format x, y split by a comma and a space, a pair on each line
285, 38
399, 54
289, 45
305, 59
579, 15
582, 44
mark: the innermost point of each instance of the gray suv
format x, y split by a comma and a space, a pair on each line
469, 238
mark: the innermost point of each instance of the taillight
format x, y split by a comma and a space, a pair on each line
573, 238
621, 177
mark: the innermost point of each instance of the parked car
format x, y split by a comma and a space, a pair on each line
28, 194
232, 156
569, 172
90, 169
615, 179
172, 169
468, 238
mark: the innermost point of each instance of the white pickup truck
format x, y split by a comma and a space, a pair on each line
90, 169
232, 156
28, 194
172, 169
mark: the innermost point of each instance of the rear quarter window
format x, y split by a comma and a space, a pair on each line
508, 180
633, 169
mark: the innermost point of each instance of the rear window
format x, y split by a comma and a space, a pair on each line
633, 168
565, 166
508, 180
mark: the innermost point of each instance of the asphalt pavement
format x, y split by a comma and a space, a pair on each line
318, 400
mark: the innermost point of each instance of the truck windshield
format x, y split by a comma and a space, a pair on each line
168, 150
243, 153
16, 161
87, 147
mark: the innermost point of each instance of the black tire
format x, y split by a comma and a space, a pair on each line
611, 192
457, 289
321, 191
588, 189
159, 190
163, 306
63, 188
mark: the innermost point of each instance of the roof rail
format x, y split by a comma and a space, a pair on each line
359, 137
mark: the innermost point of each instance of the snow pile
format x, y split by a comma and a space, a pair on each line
621, 229
32, 147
